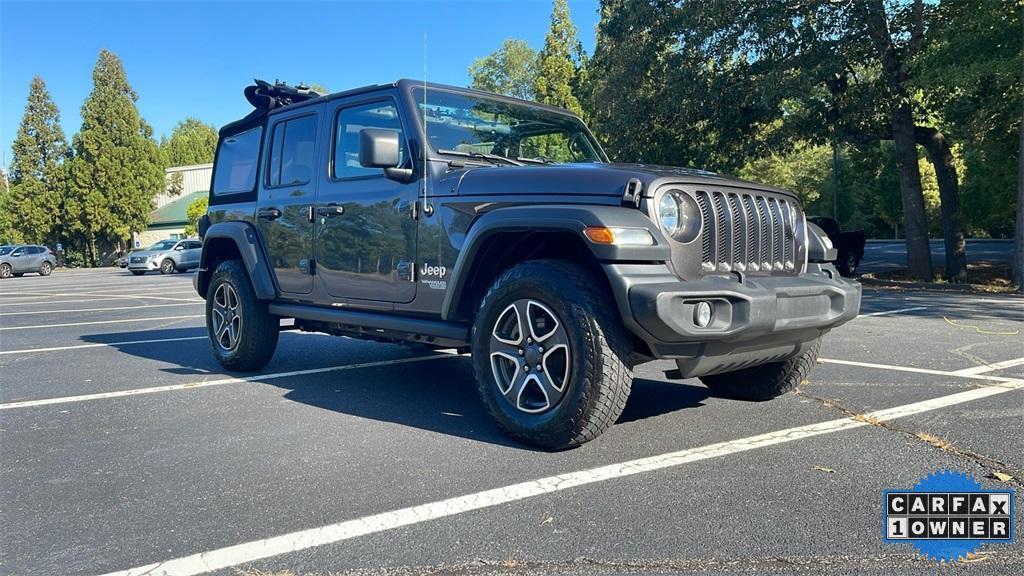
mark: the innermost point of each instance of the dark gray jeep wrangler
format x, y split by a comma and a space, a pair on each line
452, 218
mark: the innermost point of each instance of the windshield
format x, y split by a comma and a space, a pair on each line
472, 125
163, 245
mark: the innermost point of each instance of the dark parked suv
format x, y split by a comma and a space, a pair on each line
449, 217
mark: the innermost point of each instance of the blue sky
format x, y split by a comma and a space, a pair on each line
193, 59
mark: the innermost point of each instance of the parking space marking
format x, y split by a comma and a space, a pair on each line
956, 374
72, 310
239, 554
41, 298
974, 370
220, 382
887, 312
100, 345
51, 302
120, 321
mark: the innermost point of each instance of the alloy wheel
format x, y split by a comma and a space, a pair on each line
530, 356
5, 271
227, 318
168, 267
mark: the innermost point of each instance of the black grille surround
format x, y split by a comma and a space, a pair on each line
746, 231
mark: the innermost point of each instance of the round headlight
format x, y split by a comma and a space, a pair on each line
668, 213
681, 211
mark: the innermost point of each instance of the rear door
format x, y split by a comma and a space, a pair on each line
284, 208
365, 233
193, 250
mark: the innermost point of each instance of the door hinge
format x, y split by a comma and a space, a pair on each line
312, 267
309, 213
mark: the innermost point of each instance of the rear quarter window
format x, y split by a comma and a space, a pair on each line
237, 162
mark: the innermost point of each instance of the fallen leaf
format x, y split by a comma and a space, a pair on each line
547, 520
1001, 476
823, 469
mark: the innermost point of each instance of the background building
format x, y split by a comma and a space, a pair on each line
168, 219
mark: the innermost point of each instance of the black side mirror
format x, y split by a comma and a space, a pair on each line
380, 148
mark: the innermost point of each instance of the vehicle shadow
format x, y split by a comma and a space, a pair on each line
436, 395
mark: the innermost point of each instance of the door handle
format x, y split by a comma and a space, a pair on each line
269, 213
330, 210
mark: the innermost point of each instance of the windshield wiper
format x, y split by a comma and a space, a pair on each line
536, 160
482, 156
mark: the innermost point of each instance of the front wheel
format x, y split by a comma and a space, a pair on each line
45, 269
167, 266
5, 271
243, 333
551, 356
766, 381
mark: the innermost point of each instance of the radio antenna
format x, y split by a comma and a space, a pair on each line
427, 208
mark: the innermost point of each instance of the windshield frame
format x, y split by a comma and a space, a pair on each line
434, 155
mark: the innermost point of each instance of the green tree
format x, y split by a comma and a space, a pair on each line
559, 62
509, 70
191, 142
36, 198
117, 169
194, 212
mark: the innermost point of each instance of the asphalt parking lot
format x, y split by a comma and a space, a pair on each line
126, 449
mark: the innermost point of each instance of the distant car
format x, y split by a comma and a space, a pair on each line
849, 245
167, 256
122, 262
18, 259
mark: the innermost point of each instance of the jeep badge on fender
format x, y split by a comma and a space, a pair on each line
558, 270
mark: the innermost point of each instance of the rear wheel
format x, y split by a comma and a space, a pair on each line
766, 381
45, 268
5, 271
167, 266
138, 272
551, 356
243, 333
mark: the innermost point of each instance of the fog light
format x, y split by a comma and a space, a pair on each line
702, 314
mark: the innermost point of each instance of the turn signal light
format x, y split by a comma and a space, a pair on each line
619, 236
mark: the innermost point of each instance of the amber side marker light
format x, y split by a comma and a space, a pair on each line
619, 236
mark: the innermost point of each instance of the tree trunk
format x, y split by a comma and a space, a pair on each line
1018, 235
915, 221
919, 255
949, 193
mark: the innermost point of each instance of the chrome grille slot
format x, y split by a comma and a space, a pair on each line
747, 232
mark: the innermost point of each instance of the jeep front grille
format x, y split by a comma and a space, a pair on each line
747, 232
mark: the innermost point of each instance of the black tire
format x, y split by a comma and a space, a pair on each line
256, 331
595, 374
848, 266
45, 268
5, 271
167, 266
766, 381
138, 272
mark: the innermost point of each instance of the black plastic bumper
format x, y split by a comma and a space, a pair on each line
759, 320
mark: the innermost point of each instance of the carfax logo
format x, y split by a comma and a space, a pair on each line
947, 516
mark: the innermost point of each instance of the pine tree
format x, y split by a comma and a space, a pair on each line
117, 169
191, 142
36, 198
559, 62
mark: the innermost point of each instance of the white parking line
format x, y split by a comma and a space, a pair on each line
957, 374
73, 310
100, 322
887, 312
989, 367
209, 383
333, 533
52, 302
41, 299
100, 345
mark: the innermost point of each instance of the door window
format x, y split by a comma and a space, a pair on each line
346, 137
292, 152
237, 158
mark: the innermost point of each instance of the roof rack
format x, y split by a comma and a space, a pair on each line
266, 96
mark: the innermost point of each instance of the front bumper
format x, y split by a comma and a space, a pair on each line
762, 319
147, 265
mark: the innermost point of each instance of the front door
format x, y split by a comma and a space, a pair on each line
287, 190
365, 233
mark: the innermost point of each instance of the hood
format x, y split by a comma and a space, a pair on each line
591, 179
147, 253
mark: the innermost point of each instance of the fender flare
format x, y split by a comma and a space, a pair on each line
246, 240
553, 217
